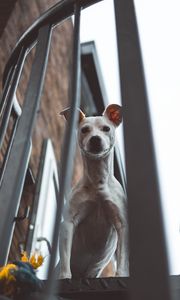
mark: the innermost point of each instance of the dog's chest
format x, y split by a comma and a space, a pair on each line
97, 226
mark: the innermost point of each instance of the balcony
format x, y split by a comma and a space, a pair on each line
16, 131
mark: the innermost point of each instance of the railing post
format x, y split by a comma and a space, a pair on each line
14, 175
6, 88
148, 260
68, 152
9, 92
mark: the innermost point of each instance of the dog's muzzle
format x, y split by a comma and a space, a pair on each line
95, 148
95, 145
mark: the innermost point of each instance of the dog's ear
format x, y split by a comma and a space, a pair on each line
66, 114
114, 113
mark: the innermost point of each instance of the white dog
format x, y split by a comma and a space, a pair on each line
95, 226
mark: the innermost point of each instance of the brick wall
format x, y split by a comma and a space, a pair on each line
55, 92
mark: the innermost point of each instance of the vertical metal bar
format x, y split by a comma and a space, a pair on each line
68, 147
36, 198
8, 95
6, 89
5, 160
148, 259
14, 175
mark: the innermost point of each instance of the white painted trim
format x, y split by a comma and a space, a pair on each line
46, 211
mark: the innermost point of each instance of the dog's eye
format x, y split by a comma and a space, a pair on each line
85, 129
106, 128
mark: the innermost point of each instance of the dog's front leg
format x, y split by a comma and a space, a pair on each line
122, 255
66, 236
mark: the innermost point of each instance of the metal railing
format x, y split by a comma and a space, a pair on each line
148, 258
148, 265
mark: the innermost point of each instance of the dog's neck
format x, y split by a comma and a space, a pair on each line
98, 171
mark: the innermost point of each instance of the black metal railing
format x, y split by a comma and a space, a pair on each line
148, 265
148, 258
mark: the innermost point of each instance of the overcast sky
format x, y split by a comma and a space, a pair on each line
159, 26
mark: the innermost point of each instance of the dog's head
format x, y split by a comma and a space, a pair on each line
96, 135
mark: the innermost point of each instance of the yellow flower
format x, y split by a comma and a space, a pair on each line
8, 279
5, 273
35, 260
24, 257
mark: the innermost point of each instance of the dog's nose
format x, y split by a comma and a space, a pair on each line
95, 144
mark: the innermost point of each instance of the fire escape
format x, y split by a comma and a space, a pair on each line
148, 263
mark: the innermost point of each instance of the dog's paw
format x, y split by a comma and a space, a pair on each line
122, 273
65, 275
